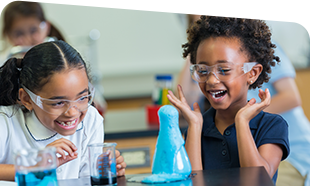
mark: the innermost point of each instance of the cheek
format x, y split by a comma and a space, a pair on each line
13, 41
48, 119
202, 86
82, 116
38, 39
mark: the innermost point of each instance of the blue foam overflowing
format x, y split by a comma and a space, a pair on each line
170, 161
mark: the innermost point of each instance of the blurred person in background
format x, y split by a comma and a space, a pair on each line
286, 101
24, 26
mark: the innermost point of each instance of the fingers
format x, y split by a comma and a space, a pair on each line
174, 98
179, 104
120, 164
120, 172
171, 97
265, 96
119, 160
268, 96
117, 153
196, 107
181, 94
66, 149
62, 161
121, 168
252, 101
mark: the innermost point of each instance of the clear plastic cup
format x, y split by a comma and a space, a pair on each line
36, 167
102, 163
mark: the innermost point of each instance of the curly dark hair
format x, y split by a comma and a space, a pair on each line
254, 36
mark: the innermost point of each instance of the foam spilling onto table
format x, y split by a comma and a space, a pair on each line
170, 161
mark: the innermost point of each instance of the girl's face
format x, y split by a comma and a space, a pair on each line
71, 85
223, 95
28, 31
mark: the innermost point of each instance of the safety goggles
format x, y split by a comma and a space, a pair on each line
30, 31
59, 106
222, 71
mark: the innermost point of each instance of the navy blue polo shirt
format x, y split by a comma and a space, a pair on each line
221, 151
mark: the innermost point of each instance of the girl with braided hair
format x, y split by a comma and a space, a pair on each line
46, 100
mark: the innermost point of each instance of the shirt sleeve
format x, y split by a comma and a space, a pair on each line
4, 135
273, 129
95, 134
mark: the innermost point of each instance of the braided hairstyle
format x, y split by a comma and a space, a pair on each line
36, 69
254, 36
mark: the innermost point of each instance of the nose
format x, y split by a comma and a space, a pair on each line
26, 40
212, 78
72, 110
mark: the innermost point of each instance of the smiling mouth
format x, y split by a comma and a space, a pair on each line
67, 124
218, 94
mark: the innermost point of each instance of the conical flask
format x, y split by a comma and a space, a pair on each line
170, 156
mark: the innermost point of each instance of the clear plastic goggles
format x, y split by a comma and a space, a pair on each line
222, 71
31, 30
59, 106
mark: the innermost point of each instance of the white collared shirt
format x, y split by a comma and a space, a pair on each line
24, 130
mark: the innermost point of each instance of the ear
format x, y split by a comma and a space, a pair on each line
25, 99
254, 73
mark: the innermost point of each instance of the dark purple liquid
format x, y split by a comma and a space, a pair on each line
102, 180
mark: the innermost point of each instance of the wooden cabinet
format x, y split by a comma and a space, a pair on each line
302, 80
135, 145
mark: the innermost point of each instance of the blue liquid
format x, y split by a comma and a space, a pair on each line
38, 178
103, 181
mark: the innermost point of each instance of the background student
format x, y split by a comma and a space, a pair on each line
230, 56
285, 100
24, 24
46, 100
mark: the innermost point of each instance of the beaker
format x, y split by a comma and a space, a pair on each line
102, 163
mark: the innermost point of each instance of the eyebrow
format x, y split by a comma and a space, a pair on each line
219, 61
64, 97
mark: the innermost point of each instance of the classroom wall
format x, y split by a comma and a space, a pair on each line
133, 45
129, 46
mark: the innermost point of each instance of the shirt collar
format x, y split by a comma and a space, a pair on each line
38, 131
209, 125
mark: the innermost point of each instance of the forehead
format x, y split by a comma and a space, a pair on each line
220, 49
67, 83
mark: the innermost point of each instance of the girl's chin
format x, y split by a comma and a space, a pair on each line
66, 133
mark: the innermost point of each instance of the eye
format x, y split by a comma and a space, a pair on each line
84, 98
58, 104
33, 30
202, 71
223, 70
18, 33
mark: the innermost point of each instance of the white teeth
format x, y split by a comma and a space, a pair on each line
215, 93
66, 123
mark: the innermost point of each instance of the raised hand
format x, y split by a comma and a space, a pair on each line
66, 149
191, 116
251, 109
